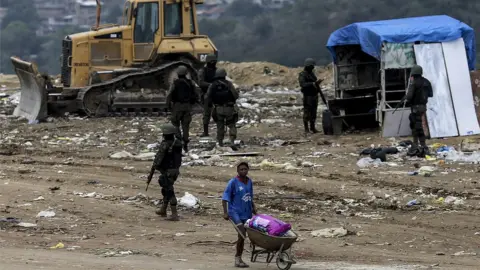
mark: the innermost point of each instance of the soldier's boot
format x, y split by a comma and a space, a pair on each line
162, 211
414, 150
416, 140
312, 127
205, 131
305, 125
174, 216
423, 144
232, 142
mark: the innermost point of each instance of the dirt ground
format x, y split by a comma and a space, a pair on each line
104, 219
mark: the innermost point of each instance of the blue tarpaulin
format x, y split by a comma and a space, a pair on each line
371, 35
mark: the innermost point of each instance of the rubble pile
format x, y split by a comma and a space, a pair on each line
272, 75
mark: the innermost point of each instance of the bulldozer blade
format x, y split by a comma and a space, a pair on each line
33, 95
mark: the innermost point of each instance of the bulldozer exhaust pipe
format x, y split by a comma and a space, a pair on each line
99, 11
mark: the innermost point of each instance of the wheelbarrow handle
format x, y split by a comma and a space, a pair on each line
238, 230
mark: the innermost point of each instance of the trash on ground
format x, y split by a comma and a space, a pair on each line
188, 201
46, 213
26, 225
369, 162
454, 200
58, 246
330, 232
413, 202
117, 253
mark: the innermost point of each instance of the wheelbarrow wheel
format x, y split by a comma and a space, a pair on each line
283, 261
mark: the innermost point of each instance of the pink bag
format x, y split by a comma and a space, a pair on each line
269, 224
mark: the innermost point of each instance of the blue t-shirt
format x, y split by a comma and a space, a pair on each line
239, 197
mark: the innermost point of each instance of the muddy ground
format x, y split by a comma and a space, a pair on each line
104, 219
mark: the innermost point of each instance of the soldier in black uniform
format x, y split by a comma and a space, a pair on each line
310, 89
419, 90
168, 160
180, 99
206, 76
223, 95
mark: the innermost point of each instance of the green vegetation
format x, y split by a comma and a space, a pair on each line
245, 31
290, 35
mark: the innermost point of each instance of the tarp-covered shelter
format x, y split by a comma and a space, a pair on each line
370, 58
371, 35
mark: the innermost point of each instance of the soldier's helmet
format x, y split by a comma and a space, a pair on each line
168, 129
309, 62
220, 73
417, 70
182, 71
211, 58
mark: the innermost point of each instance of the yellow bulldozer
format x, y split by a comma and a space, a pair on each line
119, 69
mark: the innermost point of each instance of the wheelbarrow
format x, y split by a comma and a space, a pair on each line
272, 246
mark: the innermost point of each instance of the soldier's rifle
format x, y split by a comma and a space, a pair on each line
321, 93
402, 101
149, 179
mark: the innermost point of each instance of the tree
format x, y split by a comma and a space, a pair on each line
49, 57
288, 35
113, 14
13, 43
24, 11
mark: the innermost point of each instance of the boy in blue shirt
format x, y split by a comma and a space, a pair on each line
238, 206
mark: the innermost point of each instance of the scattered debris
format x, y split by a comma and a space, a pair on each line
463, 253
58, 246
330, 232
46, 214
188, 201
26, 225
118, 253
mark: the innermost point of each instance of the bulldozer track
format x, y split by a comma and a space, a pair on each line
97, 100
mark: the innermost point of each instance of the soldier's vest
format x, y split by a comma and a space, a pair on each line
423, 90
184, 91
222, 95
172, 158
210, 74
311, 90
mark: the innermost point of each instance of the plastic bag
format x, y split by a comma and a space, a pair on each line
269, 224
188, 201
368, 162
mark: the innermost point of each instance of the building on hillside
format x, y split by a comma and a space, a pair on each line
212, 9
86, 13
211, 13
54, 14
273, 4
3, 12
54, 24
50, 8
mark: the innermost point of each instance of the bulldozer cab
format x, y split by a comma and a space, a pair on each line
153, 21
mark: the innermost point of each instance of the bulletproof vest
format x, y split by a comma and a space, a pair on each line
173, 156
184, 91
310, 78
221, 93
423, 90
209, 74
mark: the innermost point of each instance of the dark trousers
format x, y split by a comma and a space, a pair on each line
166, 181
310, 105
416, 124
